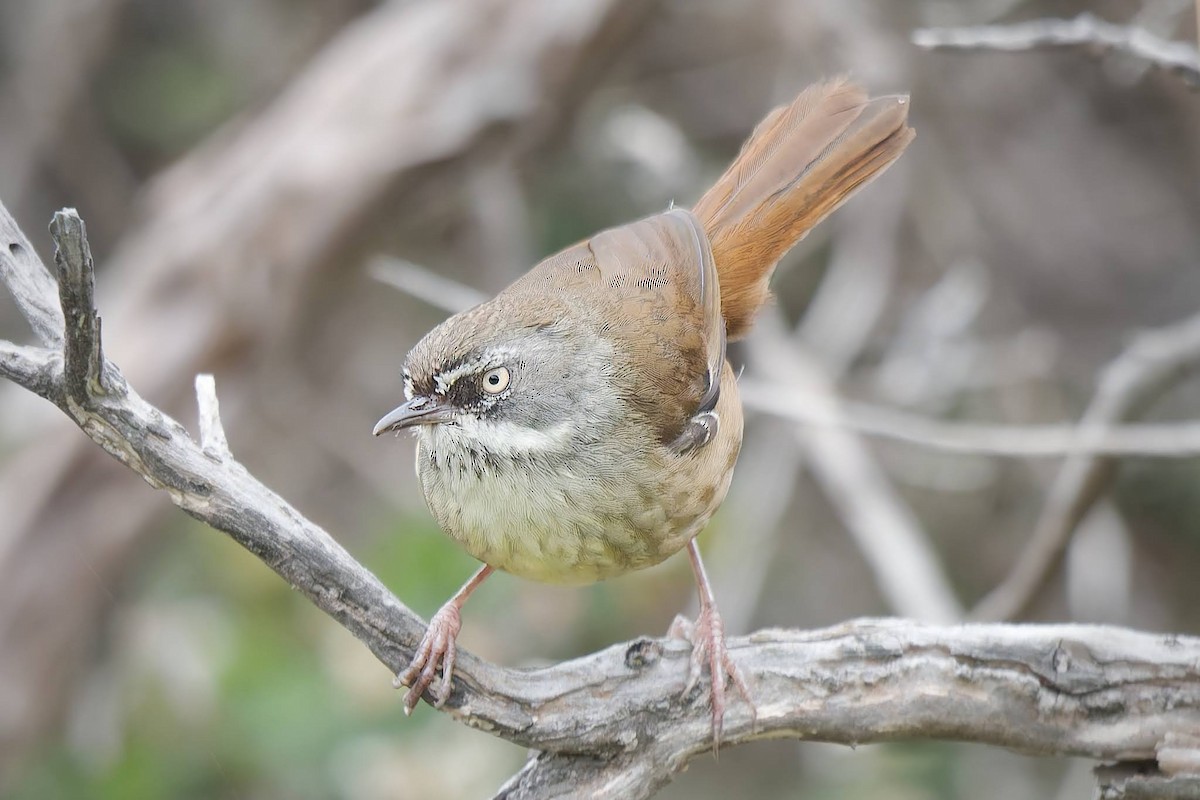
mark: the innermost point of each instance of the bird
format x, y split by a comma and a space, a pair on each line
585, 422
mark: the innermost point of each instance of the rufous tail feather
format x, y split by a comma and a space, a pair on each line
802, 161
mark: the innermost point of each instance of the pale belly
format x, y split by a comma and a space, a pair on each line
574, 521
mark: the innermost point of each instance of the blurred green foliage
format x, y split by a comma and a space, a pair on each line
277, 713
162, 99
231, 684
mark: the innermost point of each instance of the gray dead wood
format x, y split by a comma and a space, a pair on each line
218, 274
613, 724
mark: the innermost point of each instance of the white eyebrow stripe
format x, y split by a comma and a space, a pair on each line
445, 380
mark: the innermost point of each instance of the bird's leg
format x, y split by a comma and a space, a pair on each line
707, 636
438, 647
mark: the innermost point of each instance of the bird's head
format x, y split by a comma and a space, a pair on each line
504, 386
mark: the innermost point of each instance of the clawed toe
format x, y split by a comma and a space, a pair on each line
437, 648
707, 636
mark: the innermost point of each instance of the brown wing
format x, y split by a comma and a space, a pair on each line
651, 289
663, 283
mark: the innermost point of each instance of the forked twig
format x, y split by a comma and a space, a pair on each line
612, 724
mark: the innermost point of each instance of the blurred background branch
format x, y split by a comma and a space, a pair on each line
224, 268
1086, 30
1164, 440
241, 161
1154, 362
615, 722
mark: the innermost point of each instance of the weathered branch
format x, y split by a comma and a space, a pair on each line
1144, 781
222, 267
212, 432
31, 285
34, 368
1085, 30
612, 724
84, 360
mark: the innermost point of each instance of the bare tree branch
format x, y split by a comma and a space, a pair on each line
84, 362
212, 433
222, 268
1152, 363
1042, 689
1142, 782
424, 284
1179, 754
1165, 440
1086, 30
32, 286
887, 533
34, 368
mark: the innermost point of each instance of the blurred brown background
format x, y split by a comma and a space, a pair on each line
240, 165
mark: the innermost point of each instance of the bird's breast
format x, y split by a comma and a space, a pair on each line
572, 511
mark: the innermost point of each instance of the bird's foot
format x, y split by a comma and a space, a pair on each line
437, 648
707, 636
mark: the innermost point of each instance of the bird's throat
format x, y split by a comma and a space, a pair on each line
471, 437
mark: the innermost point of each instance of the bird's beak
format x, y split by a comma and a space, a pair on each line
421, 410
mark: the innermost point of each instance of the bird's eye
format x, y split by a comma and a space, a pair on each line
496, 380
